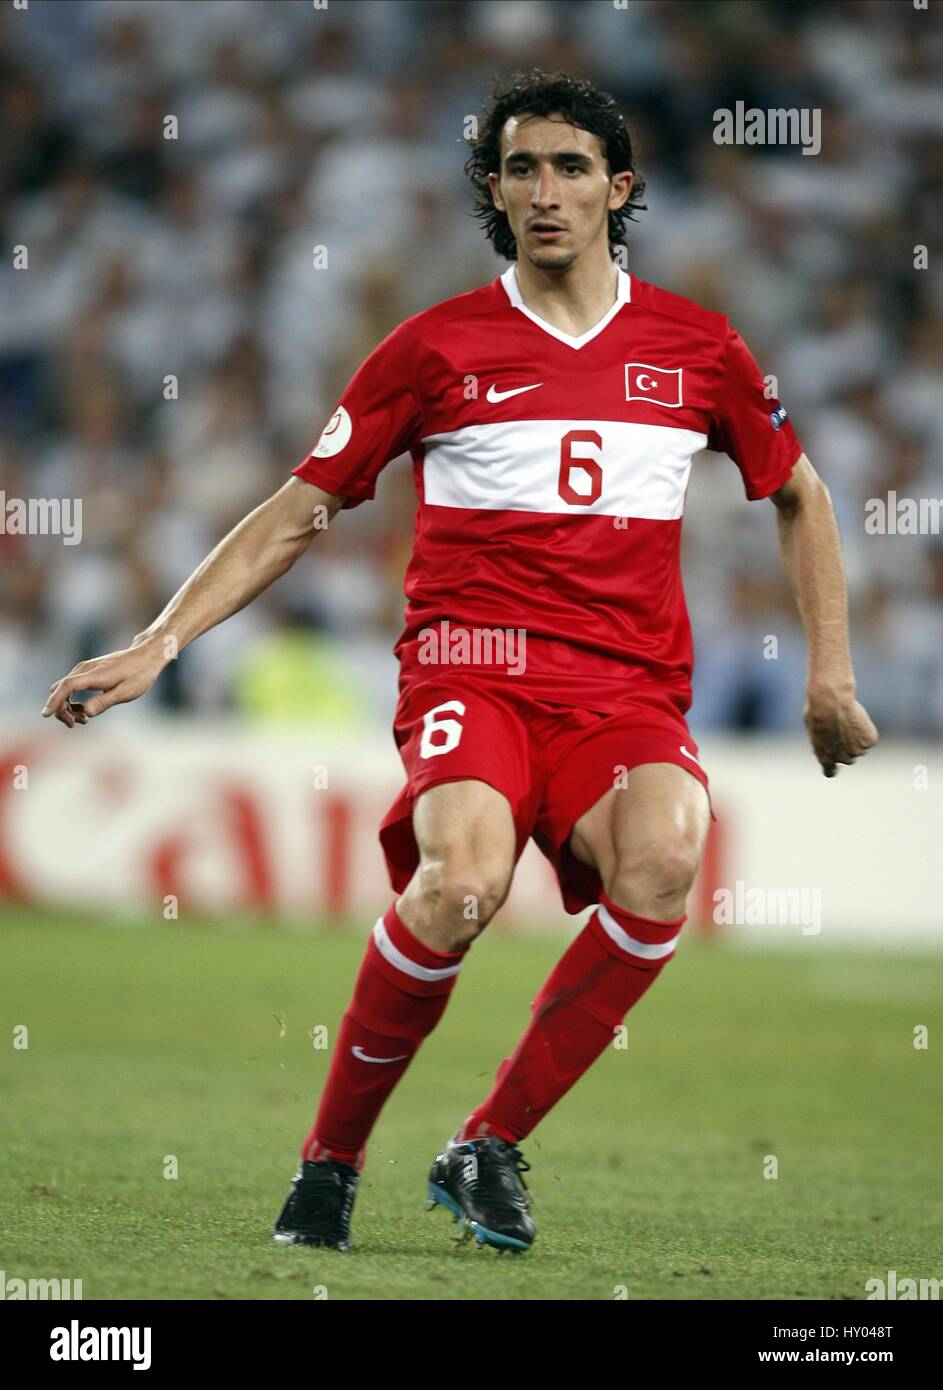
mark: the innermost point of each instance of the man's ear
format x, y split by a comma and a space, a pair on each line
495, 186
622, 182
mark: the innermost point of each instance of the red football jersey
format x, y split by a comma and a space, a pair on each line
551, 473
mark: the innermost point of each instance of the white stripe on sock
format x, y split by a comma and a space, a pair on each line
409, 967
647, 950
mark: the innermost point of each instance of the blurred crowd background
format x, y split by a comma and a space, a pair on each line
343, 127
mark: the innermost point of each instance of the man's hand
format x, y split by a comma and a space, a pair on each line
262, 547
839, 727
120, 676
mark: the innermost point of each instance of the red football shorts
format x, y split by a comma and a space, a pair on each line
552, 762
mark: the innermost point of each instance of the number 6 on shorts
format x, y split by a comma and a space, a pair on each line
451, 728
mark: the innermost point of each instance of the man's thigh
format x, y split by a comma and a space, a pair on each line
649, 830
468, 822
466, 839
600, 800
459, 826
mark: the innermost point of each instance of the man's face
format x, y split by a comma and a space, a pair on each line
554, 175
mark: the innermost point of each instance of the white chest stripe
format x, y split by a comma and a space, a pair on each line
515, 467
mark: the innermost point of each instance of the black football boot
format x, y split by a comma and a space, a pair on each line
479, 1182
319, 1205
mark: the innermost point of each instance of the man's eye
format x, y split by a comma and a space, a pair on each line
577, 167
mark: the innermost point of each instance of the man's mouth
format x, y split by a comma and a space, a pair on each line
546, 231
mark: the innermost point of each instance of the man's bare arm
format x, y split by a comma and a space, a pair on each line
262, 548
839, 727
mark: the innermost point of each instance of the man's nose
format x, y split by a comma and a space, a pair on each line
546, 189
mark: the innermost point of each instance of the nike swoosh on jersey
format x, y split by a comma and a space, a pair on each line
362, 1056
494, 395
691, 756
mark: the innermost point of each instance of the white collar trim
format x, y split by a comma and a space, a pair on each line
623, 296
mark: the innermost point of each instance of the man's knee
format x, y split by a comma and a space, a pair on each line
653, 877
455, 899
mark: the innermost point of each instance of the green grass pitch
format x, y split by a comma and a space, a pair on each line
648, 1180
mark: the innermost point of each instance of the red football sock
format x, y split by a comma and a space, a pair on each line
606, 970
400, 995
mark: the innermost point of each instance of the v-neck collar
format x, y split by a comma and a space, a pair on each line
623, 296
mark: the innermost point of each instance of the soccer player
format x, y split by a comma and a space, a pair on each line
545, 667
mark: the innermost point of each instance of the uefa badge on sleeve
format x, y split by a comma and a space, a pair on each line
777, 416
657, 385
335, 435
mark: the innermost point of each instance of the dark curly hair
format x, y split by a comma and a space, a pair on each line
543, 93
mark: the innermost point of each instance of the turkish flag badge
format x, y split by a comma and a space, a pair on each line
657, 385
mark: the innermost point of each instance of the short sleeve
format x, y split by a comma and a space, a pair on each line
751, 426
377, 418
